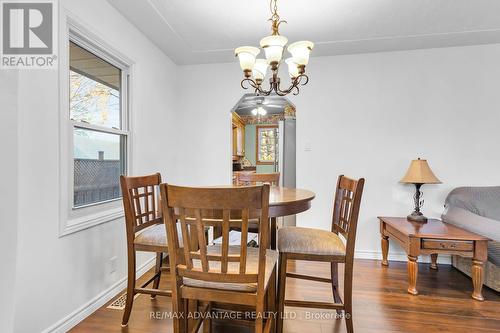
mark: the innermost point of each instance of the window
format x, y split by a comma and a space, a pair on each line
266, 144
94, 127
98, 121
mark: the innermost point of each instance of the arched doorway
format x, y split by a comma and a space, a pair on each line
264, 138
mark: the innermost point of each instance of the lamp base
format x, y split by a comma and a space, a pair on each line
417, 217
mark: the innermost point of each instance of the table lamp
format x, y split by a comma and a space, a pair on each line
419, 173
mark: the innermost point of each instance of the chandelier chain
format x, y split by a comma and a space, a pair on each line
275, 18
274, 10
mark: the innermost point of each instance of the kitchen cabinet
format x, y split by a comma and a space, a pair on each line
238, 135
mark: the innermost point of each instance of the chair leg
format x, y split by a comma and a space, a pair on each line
348, 318
271, 301
207, 322
335, 280
281, 292
159, 260
130, 287
348, 297
259, 314
177, 305
335, 283
192, 308
185, 321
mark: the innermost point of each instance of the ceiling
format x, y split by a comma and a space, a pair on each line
207, 31
273, 104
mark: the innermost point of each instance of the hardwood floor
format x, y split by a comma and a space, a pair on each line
381, 304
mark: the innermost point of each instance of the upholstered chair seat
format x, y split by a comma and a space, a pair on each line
155, 235
310, 241
233, 267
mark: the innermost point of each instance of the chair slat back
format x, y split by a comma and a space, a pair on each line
346, 207
252, 178
196, 208
141, 201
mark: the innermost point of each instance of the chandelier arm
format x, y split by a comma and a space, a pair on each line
250, 82
300, 80
261, 91
300, 77
281, 92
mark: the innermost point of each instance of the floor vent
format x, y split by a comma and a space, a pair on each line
119, 303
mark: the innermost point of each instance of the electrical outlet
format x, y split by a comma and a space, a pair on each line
112, 264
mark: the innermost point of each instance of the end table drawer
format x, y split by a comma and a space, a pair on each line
450, 245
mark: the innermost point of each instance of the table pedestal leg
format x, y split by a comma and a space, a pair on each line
412, 275
477, 279
434, 258
385, 250
274, 229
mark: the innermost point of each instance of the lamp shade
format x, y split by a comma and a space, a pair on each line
246, 55
293, 70
419, 172
273, 47
300, 51
260, 69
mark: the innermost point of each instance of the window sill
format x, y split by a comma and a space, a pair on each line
73, 225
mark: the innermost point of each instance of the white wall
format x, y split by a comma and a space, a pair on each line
366, 116
57, 276
8, 196
207, 93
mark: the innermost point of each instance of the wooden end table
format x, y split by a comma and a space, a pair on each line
434, 237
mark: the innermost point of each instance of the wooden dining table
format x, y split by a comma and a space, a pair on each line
284, 201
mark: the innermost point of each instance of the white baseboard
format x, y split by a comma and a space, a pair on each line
87, 309
399, 256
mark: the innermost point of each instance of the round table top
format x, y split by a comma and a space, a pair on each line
285, 201
285, 195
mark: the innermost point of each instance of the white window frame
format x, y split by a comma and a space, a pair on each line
73, 219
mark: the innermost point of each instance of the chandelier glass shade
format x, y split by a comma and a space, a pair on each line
255, 70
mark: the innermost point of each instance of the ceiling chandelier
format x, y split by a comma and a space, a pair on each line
259, 110
255, 69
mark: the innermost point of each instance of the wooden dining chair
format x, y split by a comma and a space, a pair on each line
145, 232
295, 243
252, 178
219, 273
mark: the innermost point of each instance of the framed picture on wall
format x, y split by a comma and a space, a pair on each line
266, 143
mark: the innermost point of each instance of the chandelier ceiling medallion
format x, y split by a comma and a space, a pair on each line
255, 69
